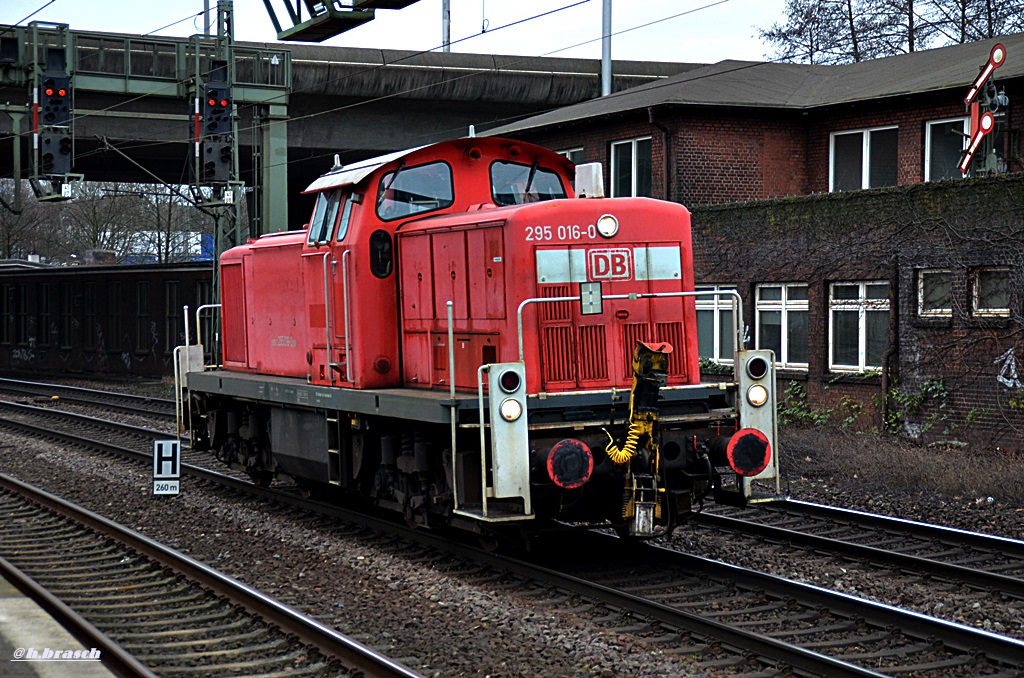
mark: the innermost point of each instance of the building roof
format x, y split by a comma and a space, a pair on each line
753, 84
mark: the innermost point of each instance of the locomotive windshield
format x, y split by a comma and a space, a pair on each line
515, 184
324, 215
414, 190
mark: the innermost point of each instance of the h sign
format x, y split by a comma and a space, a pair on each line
166, 466
610, 264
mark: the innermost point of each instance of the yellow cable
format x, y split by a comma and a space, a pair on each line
621, 456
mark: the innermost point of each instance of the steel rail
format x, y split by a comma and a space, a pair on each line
309, 631
81, 419
113, 657
968, 575
964, 638
979, 540
78, 394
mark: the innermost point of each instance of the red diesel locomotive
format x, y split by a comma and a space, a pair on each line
461, 336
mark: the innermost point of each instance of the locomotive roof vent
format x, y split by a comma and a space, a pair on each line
589, 180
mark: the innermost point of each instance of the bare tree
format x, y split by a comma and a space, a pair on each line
960, 21
101, 218
27, 232
845, 31
817, 32
169, 228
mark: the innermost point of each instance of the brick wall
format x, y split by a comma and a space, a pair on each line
945, 378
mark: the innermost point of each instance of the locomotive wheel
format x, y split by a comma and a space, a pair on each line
490, 542
260, 478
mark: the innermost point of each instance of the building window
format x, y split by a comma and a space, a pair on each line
934, 293
944, 147
575, 155
631, 168
990, 292
782, 323
858, 325
863, 159
715, 338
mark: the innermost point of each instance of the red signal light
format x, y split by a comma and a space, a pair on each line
62, 92
48, 91
212, 102
224, 103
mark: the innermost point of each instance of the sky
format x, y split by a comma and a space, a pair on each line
695, 31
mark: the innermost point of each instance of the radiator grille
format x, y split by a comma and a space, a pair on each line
673, 334
558, 354
631, 333
558, 310
593, 353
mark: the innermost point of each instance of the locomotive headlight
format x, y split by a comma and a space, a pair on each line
607, 225
757, 395
510, 409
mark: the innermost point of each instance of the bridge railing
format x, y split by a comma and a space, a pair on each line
108, 62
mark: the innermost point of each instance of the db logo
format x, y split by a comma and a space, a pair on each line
610, 264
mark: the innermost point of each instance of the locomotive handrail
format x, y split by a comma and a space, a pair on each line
451, 391
348, 333
483, 439
737, 305
327, 315
199, 333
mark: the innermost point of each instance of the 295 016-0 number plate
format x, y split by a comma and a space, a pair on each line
563, 232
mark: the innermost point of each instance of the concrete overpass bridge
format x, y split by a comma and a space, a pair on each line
296, 105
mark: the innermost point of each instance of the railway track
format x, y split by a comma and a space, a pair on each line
971, 559
158, 612
736, 619
93, 399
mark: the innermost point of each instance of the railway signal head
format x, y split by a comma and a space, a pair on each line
55, 100
217, 109
216, 162
56, 153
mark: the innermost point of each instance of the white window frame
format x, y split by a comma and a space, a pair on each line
632, 170
785, 305
865, 166
717, 304
984, 312
933, 312
862, 305
567, 153
966, 121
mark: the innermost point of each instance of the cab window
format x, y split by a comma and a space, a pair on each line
324, 215
515, 184
346, 217
415, 190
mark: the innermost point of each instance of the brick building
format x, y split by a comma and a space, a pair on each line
887, 281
